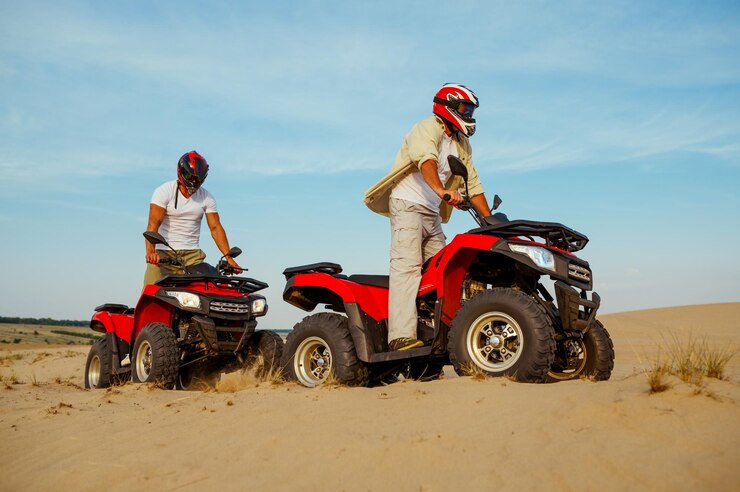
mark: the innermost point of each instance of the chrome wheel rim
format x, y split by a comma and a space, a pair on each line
575, 351
312, 362
93, 372
495, 341
144, 360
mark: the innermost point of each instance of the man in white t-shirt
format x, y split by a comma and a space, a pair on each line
176, 212
412, 196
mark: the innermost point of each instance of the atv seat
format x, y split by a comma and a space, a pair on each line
374, 280
323, 267
115, 308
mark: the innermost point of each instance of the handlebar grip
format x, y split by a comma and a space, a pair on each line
165, 261
446, 197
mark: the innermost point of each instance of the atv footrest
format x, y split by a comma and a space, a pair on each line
400, 354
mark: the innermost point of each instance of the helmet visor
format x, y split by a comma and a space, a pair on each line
465, 110
193, 182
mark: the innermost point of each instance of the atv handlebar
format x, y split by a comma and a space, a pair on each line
467, 206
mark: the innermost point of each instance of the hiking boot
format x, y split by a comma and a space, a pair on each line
404, 344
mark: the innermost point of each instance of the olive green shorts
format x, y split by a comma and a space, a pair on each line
189, 256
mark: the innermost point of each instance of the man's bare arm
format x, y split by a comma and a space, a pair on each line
480, 204
219, 237
156, 216
431, 176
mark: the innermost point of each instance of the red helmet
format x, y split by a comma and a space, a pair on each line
192, 170
455, 104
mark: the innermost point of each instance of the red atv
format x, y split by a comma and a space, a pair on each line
185, 331
481, 306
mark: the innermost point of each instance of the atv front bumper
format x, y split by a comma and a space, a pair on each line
576, 311
222, 339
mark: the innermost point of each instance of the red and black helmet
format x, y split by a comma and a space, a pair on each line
192, 170
455, 104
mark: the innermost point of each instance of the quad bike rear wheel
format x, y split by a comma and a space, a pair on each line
155, 356
263, 353
502, 332
590, 357
319, 346
98, 372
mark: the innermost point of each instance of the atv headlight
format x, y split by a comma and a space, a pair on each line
187, 300
540, 256
258, 306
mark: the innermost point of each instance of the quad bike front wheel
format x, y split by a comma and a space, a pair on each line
590, 357
263, 353
502, 332
155, 356
321, 346
98, 372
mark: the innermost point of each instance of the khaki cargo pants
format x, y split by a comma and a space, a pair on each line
416, 236
189, 256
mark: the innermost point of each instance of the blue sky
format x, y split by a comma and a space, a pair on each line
619, 119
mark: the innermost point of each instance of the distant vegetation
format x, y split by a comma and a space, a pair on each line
43, 321
93, 336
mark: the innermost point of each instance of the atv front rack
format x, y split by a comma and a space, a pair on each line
555, 235
242, 284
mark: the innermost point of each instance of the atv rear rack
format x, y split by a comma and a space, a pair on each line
555, 235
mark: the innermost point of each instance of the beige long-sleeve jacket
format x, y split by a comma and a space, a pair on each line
420, 145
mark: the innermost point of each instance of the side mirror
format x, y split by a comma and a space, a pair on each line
155, 238
496, 202
457, 167
234, 252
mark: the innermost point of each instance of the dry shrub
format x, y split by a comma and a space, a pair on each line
715, 361
657, 377
8, 360
690, 360
475, 372
40, 356
687, 359
331, 381
12, 379
275, 377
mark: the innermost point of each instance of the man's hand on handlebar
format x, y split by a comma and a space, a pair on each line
234, 265
152, 258
453, 197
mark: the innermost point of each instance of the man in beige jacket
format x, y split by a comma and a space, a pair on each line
412, 196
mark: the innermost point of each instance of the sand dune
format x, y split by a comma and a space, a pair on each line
451, 434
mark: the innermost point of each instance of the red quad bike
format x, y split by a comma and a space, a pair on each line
185, 330
482, 307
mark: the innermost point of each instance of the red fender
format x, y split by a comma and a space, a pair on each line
373, 300
450, 266
149, 309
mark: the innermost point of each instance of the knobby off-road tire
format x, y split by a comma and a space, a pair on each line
264, 352
155, 356
98, 372
592, 357
197, 378
321, 345
502, 332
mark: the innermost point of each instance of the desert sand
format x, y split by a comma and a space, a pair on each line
452, 434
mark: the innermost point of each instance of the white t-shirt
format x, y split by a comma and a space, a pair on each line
414, 188
181, 225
